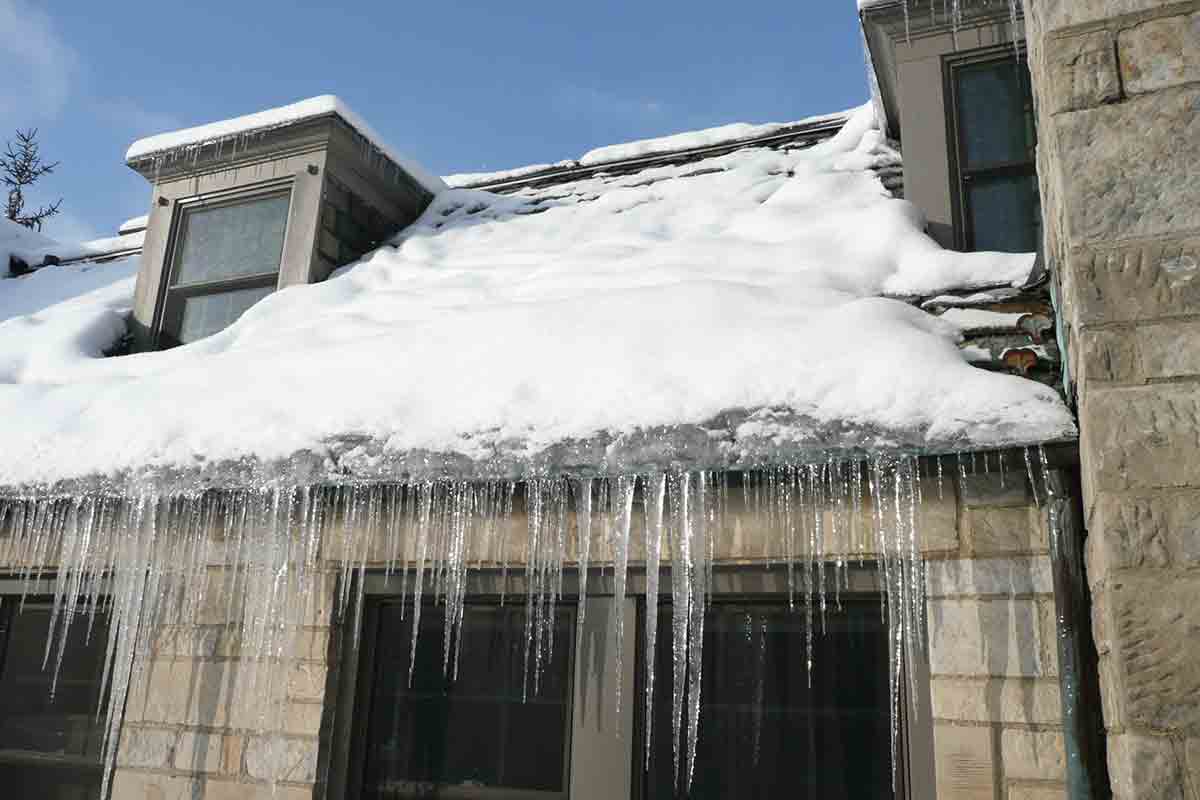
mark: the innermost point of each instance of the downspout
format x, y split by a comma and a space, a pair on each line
1079, 681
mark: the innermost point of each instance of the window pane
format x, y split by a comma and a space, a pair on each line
473, 732
206, 314
993, 101
1004, 213
65, 728
765, 730
231, 241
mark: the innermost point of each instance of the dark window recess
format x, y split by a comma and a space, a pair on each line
225, 259
49, 749
474, 736
349, 226
997, 193
768, 727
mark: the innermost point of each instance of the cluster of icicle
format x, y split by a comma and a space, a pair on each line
146, 558
951, 11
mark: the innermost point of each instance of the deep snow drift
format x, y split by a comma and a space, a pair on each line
723, 313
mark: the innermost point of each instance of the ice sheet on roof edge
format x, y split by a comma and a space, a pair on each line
789, 351
269, 119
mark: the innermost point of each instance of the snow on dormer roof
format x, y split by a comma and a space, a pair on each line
272, 119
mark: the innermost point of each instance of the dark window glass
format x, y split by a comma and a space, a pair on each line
1005, 214
49, 748
993, 99
997, 182
768, 727
231, 241
474, 734
226, 259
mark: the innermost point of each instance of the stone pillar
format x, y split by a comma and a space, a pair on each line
1117, 84
993, 659
191, 729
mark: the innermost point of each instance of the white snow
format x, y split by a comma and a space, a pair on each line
277, 118
464, 179
974, 319
723, 134
26, 244
134, 225
608, 305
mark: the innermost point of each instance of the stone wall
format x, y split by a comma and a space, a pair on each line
192, 729
1118, 95
993, 658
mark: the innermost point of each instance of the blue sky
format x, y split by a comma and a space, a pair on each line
459, 86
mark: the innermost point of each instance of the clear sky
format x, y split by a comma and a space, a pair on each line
459, 86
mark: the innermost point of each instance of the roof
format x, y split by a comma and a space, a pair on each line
711, 309
231, 131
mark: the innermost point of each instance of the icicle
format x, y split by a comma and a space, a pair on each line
654, 506
625, 488
1032, 483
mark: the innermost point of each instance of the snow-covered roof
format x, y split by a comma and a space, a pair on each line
731, 311
134, 225
271, 119
735, 133
28, 245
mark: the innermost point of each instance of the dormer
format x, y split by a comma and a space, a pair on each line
246, 206
955, 89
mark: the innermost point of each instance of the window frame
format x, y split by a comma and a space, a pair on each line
168, 307
353, 653
16, 595
960, 176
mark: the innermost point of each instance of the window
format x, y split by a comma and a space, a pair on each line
470, 736
995, 138
765, 732
49, 749
225, 258
768, 727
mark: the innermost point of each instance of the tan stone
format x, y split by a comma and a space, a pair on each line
997, 700
1144, 768
1156, 641
1128, 168
1192, 765
1157, 530
1008, 488
145, 747
989, 576
1033, 755
1000, 531
307, 682
1136, 281
1055, 15
1083, 71
1143, 437
279, 758
984, 637
199, 752
1109, 356
1170, 350
1048, 620
963, 760
137, 785
1160, 53
1037, 791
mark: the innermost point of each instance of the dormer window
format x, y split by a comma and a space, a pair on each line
996, 175
250, 205
226, 258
